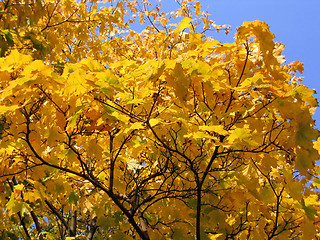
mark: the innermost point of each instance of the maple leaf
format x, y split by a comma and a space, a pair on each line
185, 23
217, 128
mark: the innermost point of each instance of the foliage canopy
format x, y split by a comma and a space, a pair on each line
109, 133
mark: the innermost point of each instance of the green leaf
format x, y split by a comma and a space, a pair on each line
73, 198
203, 234
9, 38
8, 235
316, 182
15, 206
309, 209
178, 234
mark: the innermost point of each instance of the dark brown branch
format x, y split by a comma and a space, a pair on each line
54, 103
56, 212
21, 171
278, 201
36, 222
152, 23
112, 162
122, 110
199, 191
6, 5
62, 22
275, 226
122, 208
153, 105
213, 157
73, 224
113, 159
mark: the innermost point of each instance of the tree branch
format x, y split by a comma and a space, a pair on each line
56, 212
36, 222
73, 224
93, 228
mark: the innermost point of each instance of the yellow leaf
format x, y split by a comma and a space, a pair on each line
76, 83
13, 85
185, 23
305, 94
297, 66
305, 132
15, 206
308, 206
257, 79
214, 236
231, 220
163, 20
316, 145
19, 187
170, 63
102, 176
198, 135
91, 64
180, 83
53, 135
242, 135
120, 116
136, 126
4, 109
94, 149
39, 67
258, 29
88, 205
154, 122
309, 229
15, 59
215, 128
135, 101
32, 196
198, 9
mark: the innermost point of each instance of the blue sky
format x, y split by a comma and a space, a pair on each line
295, 23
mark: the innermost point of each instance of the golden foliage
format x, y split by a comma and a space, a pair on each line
160, 134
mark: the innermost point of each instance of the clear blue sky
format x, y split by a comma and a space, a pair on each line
295, 23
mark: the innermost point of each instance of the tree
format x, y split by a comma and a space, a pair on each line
107, 133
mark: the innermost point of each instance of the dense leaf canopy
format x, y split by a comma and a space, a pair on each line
110, 133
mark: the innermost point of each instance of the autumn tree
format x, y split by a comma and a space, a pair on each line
110, 133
